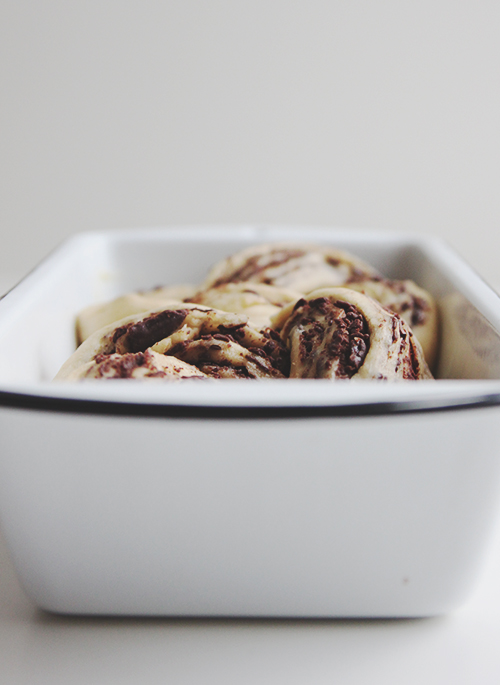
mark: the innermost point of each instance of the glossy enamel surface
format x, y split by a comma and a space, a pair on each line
280, 498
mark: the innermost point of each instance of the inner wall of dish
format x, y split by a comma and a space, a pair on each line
40, 334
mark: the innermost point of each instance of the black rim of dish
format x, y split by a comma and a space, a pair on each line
108, 408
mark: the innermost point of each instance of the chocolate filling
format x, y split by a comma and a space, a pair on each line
332, 335
223, 370
235, 332
275, 351
350, 341
407, 353
123, 367
259, 263
357, 275
419, 311
417, 305
214, 356
137, 337
412, 368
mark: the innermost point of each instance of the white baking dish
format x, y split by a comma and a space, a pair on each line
245, 498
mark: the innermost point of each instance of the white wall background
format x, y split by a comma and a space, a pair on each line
378, 114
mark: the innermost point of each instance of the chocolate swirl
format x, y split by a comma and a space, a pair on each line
338, 333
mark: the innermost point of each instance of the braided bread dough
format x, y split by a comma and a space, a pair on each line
259, 301
218, 344
338, 333
286, 265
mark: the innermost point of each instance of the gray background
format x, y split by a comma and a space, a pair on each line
350, 113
